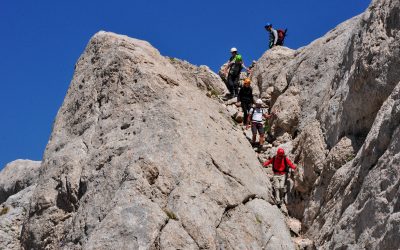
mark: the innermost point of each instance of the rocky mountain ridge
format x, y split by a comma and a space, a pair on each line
144, 155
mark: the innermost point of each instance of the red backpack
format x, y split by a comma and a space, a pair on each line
281, 36
284, 161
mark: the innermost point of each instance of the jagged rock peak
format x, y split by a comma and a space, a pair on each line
142, 156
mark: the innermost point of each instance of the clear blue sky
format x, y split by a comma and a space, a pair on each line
41, 41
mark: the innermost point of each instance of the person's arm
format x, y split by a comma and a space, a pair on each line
267, 116
275, 36
291, 165
249, 118
244, 66
265, 164
240, 94
227, 66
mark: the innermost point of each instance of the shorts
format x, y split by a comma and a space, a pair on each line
257, 126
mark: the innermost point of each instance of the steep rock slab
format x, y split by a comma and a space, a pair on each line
139, 152
362, 208
370, 74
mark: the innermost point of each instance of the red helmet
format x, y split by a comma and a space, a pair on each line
280, 152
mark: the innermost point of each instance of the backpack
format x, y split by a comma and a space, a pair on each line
254, 109
281, 36
236, 68
284, 160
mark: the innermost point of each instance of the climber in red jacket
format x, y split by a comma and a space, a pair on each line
280, 166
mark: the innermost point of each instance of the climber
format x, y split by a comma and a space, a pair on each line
280, 167
245, 97
276, 37
234, 67
256, 117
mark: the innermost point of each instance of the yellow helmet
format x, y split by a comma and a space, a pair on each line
247, 81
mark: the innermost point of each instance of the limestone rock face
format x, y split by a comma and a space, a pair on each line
141, 158
267, 73
13, 213
344, 123
17, 182
144, 156
367, 188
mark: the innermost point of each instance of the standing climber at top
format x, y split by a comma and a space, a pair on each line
276, 37
234, 67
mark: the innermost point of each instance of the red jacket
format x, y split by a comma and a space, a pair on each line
278, 164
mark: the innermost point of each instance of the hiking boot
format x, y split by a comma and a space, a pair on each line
262, 148
227, 96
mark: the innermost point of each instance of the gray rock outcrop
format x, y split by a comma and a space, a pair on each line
140, 157
16, 176
17, 182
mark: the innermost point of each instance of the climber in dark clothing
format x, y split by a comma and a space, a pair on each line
245, 97
235, 66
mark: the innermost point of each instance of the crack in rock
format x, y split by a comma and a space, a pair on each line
224, 172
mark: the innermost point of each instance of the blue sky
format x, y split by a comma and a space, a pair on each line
41, 41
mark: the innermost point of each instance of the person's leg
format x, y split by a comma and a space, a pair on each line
281, 185
245, 112
262, 139
275, 184
248, 107
261, 131
271, 44
254, 131
236, 85
231, 84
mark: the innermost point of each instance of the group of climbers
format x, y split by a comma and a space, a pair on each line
235, 64
254, 115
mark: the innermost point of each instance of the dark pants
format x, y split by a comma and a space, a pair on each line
246, 108
233, 84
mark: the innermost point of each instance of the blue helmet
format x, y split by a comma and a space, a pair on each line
268, 25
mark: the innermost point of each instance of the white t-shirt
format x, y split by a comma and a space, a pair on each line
258, 114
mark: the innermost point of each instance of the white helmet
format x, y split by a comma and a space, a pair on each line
233, 49
259, 101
